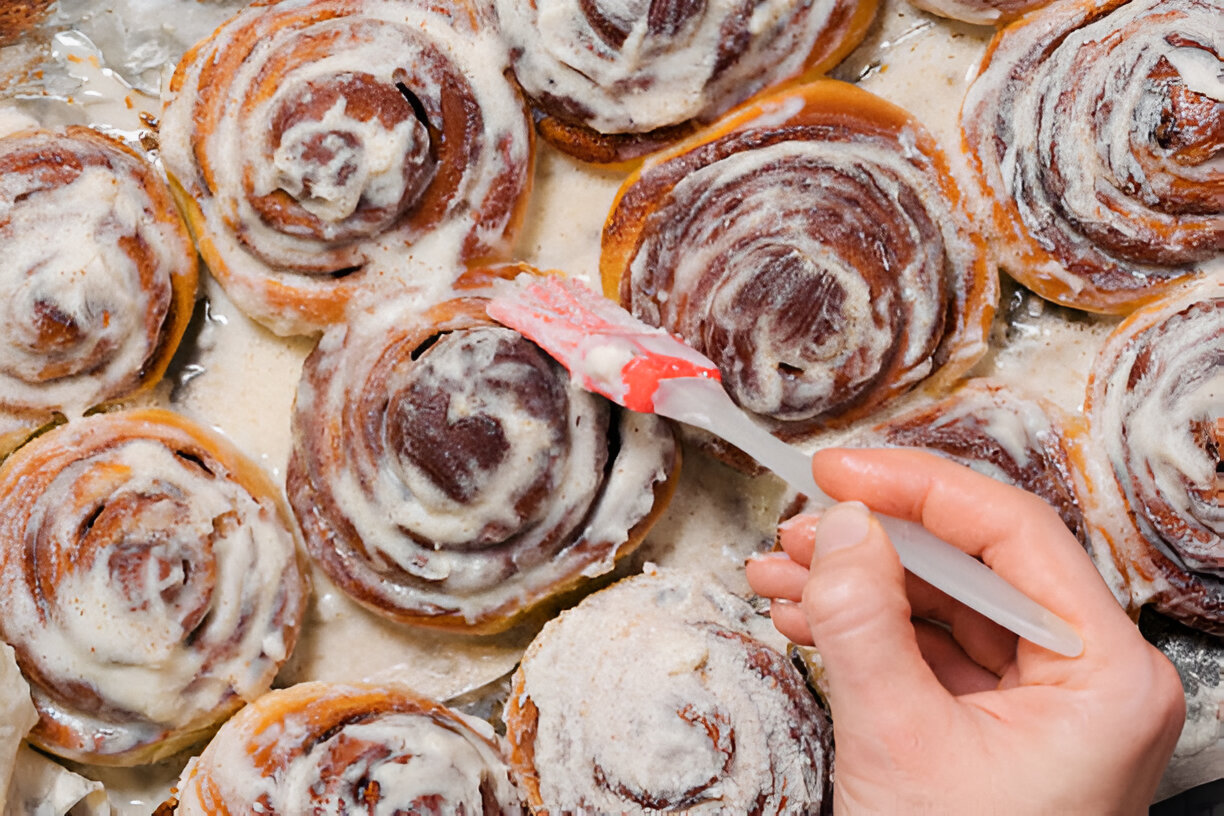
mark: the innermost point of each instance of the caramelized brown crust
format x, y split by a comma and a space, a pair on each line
815, 246
19, 16
151, 580
1154, 451
99, 280
446, 472
631, 84
313, 145
1097, 146
340, 740
656, 696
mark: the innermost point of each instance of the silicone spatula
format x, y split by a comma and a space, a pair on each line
610, 352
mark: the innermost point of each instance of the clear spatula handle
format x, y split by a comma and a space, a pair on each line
705, 404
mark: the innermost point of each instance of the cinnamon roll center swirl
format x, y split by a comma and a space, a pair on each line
346, 156
67, 303
467, 420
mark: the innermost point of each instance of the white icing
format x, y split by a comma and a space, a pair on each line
1098, 175
656, 78
626, 686
850, 357
1200, 69
393, 37
418, 755
65, 252
405, 515
119, 633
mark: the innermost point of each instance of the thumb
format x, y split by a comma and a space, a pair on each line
859, 616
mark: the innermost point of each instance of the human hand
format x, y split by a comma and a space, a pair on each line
960, 716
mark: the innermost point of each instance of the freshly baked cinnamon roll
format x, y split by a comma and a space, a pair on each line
656, 696
815, 246
339, 748
1095, 129
317, 145
447, 473
151, 583
611, 81
98, 279
1155, 447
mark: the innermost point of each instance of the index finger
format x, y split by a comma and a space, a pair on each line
1016, 533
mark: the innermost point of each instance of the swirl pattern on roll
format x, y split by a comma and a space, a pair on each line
446, 472
657, 695
349, 748
815, 247
1155, 451
1095, 129
152, 583
316, 144
98, 279
613, 80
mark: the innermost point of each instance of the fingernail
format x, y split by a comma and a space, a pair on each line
842, 526
790, 523
772, 555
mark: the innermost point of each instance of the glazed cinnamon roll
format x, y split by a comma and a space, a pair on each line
657, 696
1155, 446
316, 145
98, 279
151, 583
610, 81
336, 748
815, 247
447, 473
1095, 130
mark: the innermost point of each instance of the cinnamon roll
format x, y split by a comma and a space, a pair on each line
151, 583
1095, 130
316, 145
337, 748
657, 696
98, 279
611, 81
1154, 451
447, 473
815, 247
